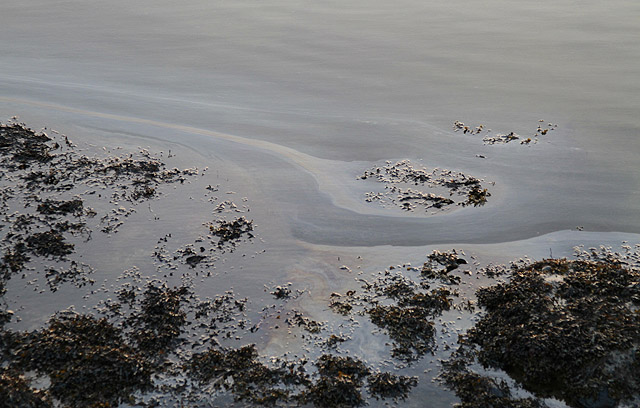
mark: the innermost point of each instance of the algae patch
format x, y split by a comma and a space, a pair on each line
414, 188
567, 329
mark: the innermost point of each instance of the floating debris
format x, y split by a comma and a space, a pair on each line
342, 307
458, 126
281, 292
502, 138
333, 340
448, 187
231, 231
299, 320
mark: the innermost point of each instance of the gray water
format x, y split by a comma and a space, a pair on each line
295, 99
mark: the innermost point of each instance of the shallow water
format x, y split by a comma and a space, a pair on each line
295, 99
366, 81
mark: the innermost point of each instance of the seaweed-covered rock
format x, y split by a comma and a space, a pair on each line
86, 360
567, 329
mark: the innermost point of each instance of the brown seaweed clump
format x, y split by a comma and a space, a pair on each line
21, 147
565, 329
339, 384
231, 231
44, 186
239, 371
16, 392
91, 361
49, 243
337, 381
412, 188
476, 390
387, 385
61, 207
405, 307
159, 322
86, 359
439, 265
410, 324
477, 196
410, 328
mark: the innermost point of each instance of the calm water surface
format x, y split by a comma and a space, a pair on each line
303, 96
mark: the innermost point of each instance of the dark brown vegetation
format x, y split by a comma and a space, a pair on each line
563, 329
412, 188
42, 214
118, 354
502, 138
